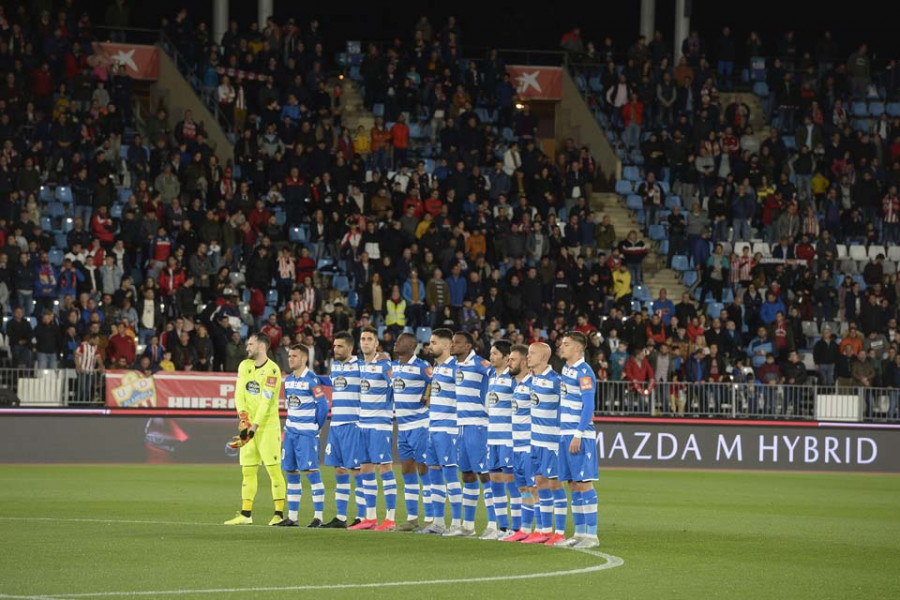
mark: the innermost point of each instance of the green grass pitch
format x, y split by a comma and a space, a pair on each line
154, 532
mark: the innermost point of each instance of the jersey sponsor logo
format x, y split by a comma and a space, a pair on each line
339, 382
364, 385
429, 372
436, 387
493, 398
271, 381
586, 383
460, 376
318, 391
253, 387
293, 401
535, 399
399, 385
269, 394
485, 363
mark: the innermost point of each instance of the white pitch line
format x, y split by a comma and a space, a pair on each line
611, 563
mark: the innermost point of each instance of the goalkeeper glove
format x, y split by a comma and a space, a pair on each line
239, 441
244, 422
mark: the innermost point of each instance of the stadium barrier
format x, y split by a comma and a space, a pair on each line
749, 400
49, 387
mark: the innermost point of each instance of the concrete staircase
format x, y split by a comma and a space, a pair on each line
656, 274
355, 114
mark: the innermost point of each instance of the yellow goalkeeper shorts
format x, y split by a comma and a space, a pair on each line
265, 448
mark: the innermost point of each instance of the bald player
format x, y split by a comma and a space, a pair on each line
545, 398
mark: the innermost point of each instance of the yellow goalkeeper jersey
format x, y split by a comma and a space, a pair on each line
257, 391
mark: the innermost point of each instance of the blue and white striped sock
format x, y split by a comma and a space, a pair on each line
371, 490
454, 495
438, 495
426, 497
411, 495
360, 496
546, 499
489, 505
590, 509
294, 492
470, 503
560, 510
341, 495
515, 505
318, 493
498, 493
577, 512
389, 486
528, 511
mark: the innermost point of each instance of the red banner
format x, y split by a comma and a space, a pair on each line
175, 390
139, 62
536, 83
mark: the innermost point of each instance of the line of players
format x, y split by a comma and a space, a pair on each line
511, 425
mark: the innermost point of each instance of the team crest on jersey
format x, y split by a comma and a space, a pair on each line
253, 387
535, 399
436, 387
460, 376
364, 385
339, 383
399, 385
293, 401
493, 398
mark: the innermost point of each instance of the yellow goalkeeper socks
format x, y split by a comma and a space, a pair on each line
248, 489
278, 487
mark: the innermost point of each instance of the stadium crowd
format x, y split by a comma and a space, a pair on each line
446, 211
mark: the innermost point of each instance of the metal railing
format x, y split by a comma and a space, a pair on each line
39, 388
749, 400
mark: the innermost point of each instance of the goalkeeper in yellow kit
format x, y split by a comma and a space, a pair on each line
256, 396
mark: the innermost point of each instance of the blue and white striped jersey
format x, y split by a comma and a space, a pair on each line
545, 392
576, 412
521, 417
471, 390
442, 412
376, 398
409, 381
499, 400
345, 392
307, 405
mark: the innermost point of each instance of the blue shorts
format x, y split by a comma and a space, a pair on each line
500, 459
473, 449
578, 467
342, 449
523, 468
376, 447
299, 452
412, 444
441, 451
546, 462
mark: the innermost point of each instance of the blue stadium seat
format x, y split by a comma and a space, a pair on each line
46, 194
580, 82
299, 234
714, 309
680, 263
56, 256
56, 210
640, 292
863, 125
280, 218
596, 84
123, 151
378, 110
272, 297
673, 201
761, 89
245, 331
893, 109
631, 173
116, 211
665, 186
341, 283
64, 194
423, 335
689, 277
352, 299
876, 109
124, 194
657, 232
60, 241
727, 296
46, 224
623, 187
68, 224
634, 202
635, 306
859, 109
